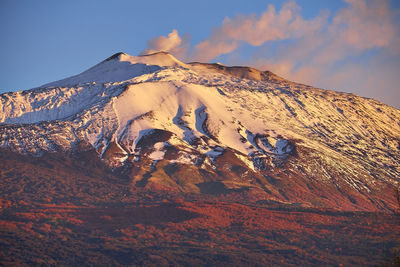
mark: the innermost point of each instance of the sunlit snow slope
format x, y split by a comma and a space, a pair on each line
186, 127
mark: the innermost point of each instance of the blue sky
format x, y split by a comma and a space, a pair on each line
43, 41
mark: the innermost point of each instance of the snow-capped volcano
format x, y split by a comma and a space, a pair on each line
121, 67
179, 126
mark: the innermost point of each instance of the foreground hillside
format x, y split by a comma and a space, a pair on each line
71, 211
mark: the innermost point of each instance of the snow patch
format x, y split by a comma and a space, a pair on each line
159, 151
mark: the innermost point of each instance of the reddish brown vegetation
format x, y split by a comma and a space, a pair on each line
66, 211
211, 232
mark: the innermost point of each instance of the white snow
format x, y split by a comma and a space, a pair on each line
159, 151
53, 103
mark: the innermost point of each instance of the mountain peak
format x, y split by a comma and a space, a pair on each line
121, 67
161, 52
160, 58
115, 56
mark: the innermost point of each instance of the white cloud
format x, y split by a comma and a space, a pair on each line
173, 44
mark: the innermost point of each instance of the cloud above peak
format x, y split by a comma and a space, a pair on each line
358, 43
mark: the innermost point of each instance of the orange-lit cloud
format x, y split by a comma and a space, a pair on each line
357, 47
270, 26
